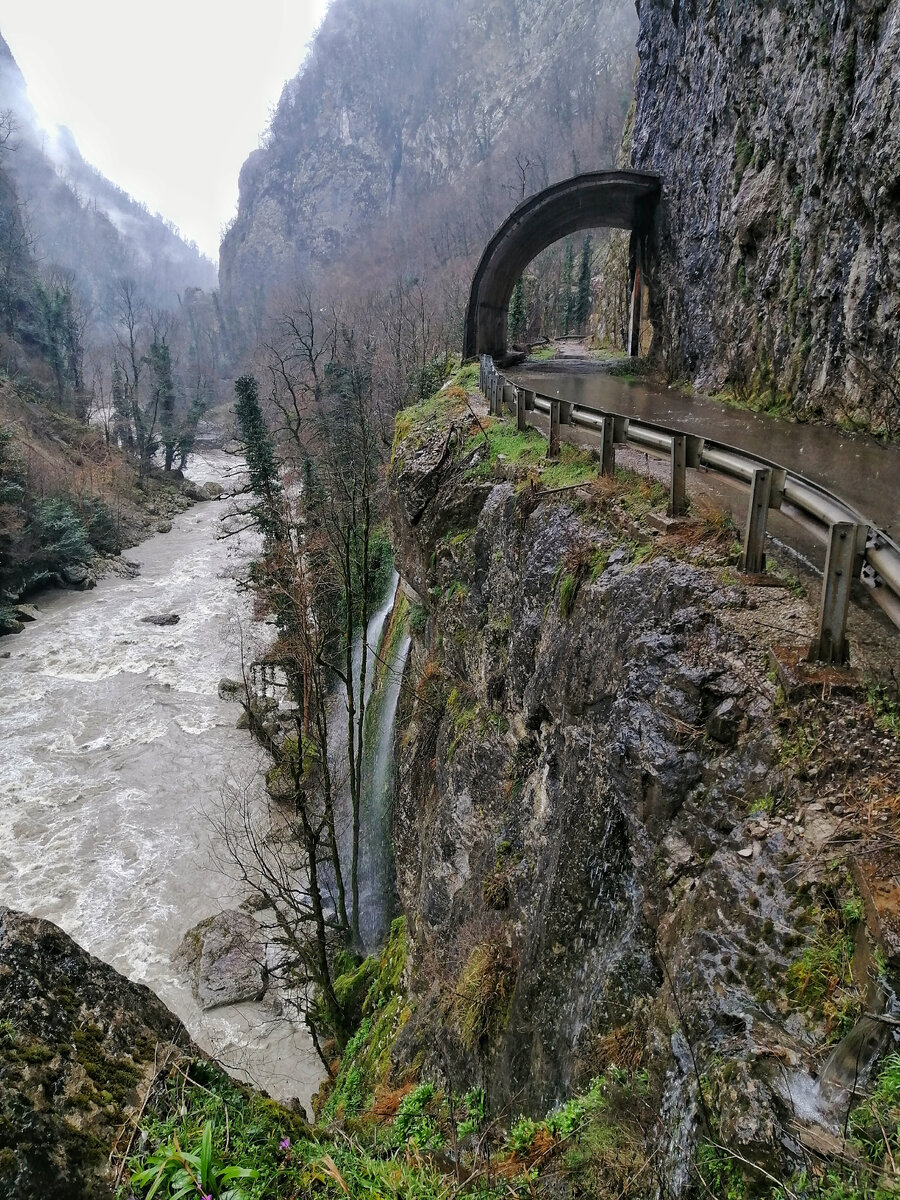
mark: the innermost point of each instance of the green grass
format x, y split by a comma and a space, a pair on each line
575, 466
504, 445
466, 377
543, 353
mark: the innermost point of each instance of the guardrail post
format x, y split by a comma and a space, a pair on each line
566, 409
495, 392
553, 447
508, 396
520, 409
529, 400
677, 490
607, 446
830, 645
753, 559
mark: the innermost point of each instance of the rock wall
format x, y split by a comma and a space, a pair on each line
590, 853
776, 129
79, 1048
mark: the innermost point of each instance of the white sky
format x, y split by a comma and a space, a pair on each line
166, 97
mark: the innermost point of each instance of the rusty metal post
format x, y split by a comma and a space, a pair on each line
634, 319
830, 645
753, 559
553, 447
607, 446
677, 488
520, 409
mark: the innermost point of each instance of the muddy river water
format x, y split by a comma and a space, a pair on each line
114, 745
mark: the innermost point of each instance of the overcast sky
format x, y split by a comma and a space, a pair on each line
167, 98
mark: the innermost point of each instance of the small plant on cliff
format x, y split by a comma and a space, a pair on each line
473, 1103
821, 980
522, 1134
484, 993
414, 1123
884, 701
199, 1171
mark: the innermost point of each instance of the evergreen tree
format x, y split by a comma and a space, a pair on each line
583, 292
163, 397
566, 300
265, 478
517, 315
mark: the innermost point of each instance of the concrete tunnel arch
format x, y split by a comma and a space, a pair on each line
619, 199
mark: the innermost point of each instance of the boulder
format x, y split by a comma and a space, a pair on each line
230, 689
78, 576
225, 958
79, 1048
212, 491
162, 619
27, 612
193, 491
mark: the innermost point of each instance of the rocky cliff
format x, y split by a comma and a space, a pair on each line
417, 127
776, 129
619, 844
79, 1048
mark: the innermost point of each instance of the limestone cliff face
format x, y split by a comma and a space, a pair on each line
419, 124
777, 131
588, 761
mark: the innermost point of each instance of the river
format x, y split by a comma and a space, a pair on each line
115, 746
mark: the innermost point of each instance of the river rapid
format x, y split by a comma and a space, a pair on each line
115, 747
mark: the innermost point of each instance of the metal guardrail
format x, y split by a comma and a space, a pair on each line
856, 549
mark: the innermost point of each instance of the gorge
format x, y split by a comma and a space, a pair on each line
583, 880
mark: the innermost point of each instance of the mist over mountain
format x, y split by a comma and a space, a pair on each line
80, 223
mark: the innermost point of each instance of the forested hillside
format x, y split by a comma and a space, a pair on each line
110, 352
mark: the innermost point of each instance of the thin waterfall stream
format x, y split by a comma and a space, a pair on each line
376, 888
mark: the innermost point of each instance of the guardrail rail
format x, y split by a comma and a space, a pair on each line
855, 548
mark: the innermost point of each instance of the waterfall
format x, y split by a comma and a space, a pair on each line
375, 868
374, 630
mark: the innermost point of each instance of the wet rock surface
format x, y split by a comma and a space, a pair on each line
225, 957
161, 619
79, 1048
775, 129
610, 819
